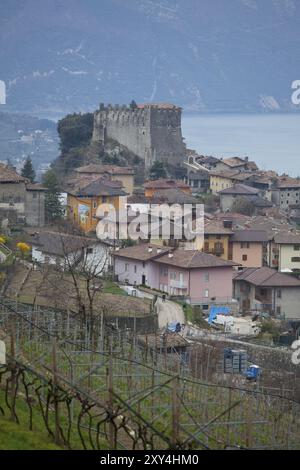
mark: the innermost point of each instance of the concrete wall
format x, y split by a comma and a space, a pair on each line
30, 204
140, 325
35, 208
226, 202
151, 133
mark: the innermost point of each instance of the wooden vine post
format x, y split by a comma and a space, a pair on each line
55, 397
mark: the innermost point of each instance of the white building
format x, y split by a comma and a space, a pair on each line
65, 251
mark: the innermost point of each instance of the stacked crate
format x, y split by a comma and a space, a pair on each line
235, 361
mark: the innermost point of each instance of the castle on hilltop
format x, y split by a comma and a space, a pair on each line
150, 131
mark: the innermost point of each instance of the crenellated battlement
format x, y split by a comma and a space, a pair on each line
151, 131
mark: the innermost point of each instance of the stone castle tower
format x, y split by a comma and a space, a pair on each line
151, 131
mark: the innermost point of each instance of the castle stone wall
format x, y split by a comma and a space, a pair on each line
153, 132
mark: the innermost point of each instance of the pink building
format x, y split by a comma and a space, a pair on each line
249, 248
201, 278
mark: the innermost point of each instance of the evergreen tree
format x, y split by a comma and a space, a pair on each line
28, 170
53, 205
158, 171
133, 105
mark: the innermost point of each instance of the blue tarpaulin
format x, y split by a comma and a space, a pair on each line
174, 327
217, 310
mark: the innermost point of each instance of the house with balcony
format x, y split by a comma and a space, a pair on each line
266, 290
200, 278
287, 246
217, 235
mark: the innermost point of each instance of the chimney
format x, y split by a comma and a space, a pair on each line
246, 159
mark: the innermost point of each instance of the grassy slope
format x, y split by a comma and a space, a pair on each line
17, 437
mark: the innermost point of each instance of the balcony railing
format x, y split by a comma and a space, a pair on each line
178, 284
218, 251
263, 299
215, 251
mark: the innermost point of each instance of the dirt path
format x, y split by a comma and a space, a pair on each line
169, 312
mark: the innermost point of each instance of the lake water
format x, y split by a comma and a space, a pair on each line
272, 141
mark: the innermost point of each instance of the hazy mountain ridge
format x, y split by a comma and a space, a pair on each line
208, 55
23, 135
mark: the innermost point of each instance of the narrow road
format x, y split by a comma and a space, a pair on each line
169, 312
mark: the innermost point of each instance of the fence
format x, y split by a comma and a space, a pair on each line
96, 387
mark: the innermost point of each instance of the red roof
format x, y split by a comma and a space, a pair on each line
165, 184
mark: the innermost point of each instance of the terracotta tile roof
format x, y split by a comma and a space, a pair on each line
250, 236
234, 216
270, 225
216, 227
102, 169
60, 244
142, 252
208, 160
9, 175
166, 184
287, 238
266, 277
234, 162
286, 182
35, 187
92, 187
229, 174
174, 196
241, 189
191, 259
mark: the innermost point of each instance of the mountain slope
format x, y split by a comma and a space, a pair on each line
208, 55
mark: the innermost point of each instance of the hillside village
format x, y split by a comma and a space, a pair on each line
246, 256
235, 284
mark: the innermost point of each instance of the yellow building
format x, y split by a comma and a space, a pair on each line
84, 199
113, 173
216, 239
221, 180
